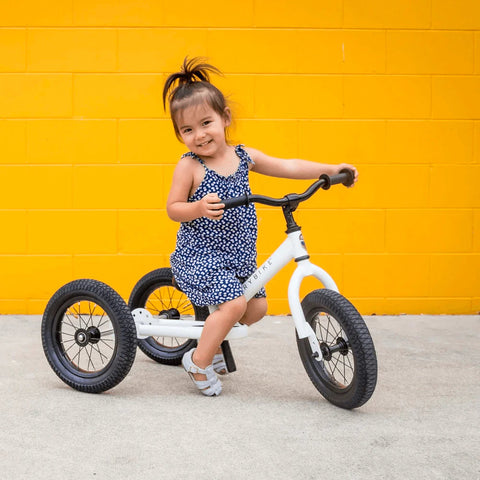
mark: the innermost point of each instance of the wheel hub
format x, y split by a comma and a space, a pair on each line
342, 346
328, 350
171, 314
94, 334
326, 354
81, 337
84, 337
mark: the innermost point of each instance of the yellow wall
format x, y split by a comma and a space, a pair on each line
392, 86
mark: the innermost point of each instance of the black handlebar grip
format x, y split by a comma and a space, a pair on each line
350, 177
345, 177
235, 202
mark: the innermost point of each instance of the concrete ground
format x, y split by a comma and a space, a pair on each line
269, 423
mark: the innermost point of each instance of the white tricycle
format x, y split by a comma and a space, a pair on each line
90, 335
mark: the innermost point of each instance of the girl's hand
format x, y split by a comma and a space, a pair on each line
210, 206
341, 166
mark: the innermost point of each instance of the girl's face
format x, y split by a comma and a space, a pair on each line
203, 130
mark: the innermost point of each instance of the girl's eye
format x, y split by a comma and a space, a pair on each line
206, 122
187, 130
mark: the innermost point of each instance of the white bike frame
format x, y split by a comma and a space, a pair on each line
292, 248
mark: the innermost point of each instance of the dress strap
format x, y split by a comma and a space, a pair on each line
243, 154
196, 157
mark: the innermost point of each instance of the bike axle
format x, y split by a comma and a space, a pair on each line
328, 350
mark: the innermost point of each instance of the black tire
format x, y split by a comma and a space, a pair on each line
156, 293
89, 336
347, 375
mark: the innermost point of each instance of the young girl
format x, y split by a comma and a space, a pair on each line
216, 250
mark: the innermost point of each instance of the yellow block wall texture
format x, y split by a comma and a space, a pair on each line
87, 151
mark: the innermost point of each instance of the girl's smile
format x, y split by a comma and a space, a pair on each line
203, 130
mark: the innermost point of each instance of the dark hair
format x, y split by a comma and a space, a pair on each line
193, 88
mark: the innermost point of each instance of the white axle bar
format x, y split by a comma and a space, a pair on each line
150, 326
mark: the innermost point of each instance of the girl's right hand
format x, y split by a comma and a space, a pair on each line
210, 206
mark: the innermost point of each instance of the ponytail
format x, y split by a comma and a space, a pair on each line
191, 86
191, 71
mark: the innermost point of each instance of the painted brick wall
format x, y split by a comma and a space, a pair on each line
87, 152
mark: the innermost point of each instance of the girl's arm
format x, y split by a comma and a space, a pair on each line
294, 168
179, 209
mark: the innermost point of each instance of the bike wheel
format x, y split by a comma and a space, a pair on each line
156, 293
89, 336
347, 374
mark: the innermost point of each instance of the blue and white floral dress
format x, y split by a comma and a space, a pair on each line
213, 257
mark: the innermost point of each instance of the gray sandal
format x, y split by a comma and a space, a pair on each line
219, 364
212, 385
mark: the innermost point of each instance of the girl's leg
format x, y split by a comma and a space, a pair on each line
256, 310
216, 328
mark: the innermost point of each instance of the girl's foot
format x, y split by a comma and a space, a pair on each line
204, 379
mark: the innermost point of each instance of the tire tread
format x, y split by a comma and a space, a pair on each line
107, 298
359, 337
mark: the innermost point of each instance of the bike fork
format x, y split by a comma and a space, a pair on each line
305, 269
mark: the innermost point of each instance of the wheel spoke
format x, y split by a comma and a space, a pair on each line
78, 314
328, 326
89, 355
331, 327
69, 321
348, 360
335, 368
161, 299
336, 332
73, 344
77, 355
90, 318
341, 360
326, 332
104, 342
164, 298
153, 307
339, 368
170, 292
102, 356
86, 355
100, 323
184, 304
107, 332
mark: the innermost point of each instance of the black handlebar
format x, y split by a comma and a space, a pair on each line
345, 177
